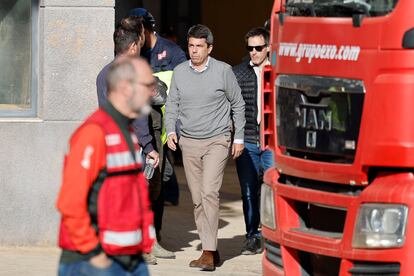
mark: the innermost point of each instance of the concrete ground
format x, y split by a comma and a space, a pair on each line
178, 234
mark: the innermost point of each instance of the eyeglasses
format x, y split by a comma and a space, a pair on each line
258, 48
150, 86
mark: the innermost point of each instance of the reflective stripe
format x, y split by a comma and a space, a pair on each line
128, 238
152, 233
138, 156
121, 159
113, 139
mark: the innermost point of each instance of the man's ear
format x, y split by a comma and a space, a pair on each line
125, 88
133, 49
141, 41
210, 48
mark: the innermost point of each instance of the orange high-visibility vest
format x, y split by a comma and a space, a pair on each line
123, 219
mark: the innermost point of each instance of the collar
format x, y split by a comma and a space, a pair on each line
202, 70
267, 62
119, 118
148, 52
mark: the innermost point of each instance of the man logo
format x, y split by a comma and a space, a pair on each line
313, 118
311, 139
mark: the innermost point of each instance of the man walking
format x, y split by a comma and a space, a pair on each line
204, 92
163, 56
254, 160
106, 218
128, 39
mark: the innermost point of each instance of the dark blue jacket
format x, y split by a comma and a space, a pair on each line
165, 55
140, 125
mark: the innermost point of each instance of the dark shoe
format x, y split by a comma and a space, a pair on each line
260, 245
252, 246
216, 256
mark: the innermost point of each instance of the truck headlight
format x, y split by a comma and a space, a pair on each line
380, 226
267, 207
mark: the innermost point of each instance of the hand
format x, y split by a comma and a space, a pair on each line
172, 141
100, 261
155, 156
237, 150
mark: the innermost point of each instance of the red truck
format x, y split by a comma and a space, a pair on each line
338, 109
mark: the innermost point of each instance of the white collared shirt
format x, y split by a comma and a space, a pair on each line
258, 71
202, 70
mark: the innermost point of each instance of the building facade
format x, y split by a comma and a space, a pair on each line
50, 54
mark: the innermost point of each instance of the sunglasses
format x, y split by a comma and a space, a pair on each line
258, 48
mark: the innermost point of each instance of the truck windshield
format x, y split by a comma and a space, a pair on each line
339, 8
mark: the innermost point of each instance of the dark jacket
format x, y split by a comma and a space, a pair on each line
164, 56
141, 126
247, 79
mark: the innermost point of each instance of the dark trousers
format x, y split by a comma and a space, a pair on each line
164, 176
156, 192
250, 165
170, 183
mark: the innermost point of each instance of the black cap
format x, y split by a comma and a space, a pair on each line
149, 20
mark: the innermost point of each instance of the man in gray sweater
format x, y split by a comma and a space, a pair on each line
204, 95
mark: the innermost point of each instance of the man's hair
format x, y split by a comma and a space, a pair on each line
132, 23
120, 70
148, 19
201, 31
259, 31
127, 32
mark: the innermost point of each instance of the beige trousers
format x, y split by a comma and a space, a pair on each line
204, 163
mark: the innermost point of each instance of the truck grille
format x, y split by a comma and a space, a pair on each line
318, 219
274, 253
320, 185
314, 264
373, 268
318, 118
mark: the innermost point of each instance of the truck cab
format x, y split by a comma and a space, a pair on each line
338, 109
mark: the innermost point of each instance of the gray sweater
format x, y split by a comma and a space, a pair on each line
203, 101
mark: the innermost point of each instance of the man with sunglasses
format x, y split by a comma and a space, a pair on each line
253, 160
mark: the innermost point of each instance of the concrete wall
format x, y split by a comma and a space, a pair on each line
75, 42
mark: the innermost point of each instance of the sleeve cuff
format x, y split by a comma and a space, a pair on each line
148, 148
238, 141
